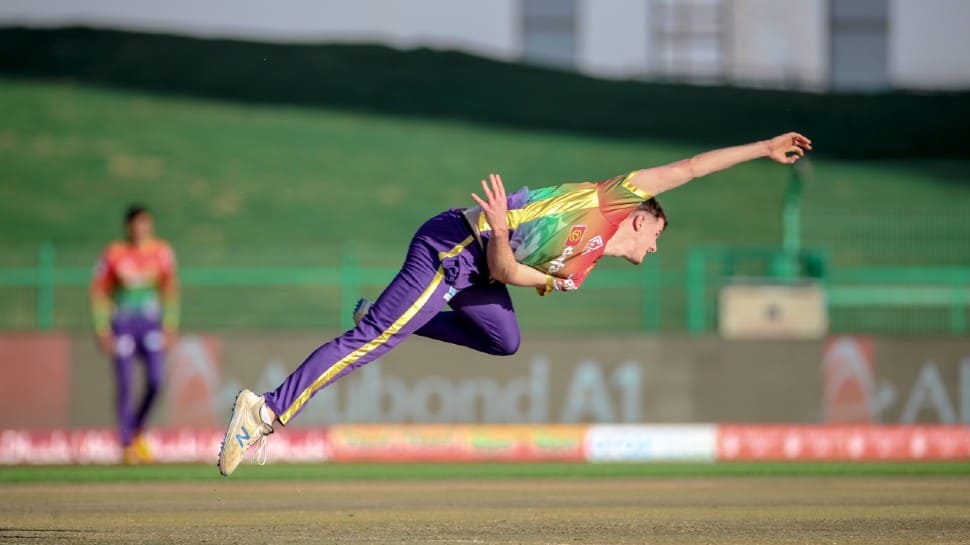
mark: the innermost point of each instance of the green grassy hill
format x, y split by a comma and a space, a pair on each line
233, 175
426, 84
264, 185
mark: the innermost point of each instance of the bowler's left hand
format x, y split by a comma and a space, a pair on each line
495, 204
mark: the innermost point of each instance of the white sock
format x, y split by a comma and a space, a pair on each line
264, 415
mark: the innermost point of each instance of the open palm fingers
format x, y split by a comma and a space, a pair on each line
498, 188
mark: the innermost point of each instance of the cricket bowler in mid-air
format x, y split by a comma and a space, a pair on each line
548, 239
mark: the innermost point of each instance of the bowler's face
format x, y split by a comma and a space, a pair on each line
645, 236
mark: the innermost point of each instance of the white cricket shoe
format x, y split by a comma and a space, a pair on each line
361, 309
246, 428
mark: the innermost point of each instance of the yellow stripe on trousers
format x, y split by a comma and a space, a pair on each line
370, 346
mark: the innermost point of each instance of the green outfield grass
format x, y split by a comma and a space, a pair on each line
226, 177
342, 472
266, 186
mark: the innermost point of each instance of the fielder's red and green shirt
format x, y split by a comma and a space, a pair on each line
130, 278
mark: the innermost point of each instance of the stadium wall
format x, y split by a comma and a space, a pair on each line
58, 381
765, 42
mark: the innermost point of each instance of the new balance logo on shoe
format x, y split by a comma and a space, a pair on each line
244, 436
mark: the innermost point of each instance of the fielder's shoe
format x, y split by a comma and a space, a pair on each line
143, 451
129, 456
246, 428
361, 309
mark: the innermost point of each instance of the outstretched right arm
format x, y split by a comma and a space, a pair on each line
786, 149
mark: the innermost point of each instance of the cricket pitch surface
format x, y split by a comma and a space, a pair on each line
664, 510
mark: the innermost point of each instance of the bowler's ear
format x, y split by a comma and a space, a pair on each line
638, 220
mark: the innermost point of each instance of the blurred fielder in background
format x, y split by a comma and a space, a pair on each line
135, 302
548, 239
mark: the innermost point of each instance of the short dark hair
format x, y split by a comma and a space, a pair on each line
135, 210
652, 206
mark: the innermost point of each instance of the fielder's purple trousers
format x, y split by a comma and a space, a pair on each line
444, 266
137, 335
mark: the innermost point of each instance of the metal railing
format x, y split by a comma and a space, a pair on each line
877, 291
638, 292
47, 277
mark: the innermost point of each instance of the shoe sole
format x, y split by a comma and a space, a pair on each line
360, 303
232, 419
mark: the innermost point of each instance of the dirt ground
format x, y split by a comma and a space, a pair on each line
830, 510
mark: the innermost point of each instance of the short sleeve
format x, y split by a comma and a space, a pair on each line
618, 197
102, 271
103, 275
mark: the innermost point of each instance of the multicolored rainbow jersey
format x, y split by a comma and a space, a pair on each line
563, 230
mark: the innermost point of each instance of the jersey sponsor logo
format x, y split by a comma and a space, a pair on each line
594, 244
567, 284
450, 293
575, 235
573, 240
557, 264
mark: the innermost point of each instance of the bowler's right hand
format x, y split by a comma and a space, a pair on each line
788, 148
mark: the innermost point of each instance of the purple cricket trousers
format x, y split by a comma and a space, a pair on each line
137, 335
444, 266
